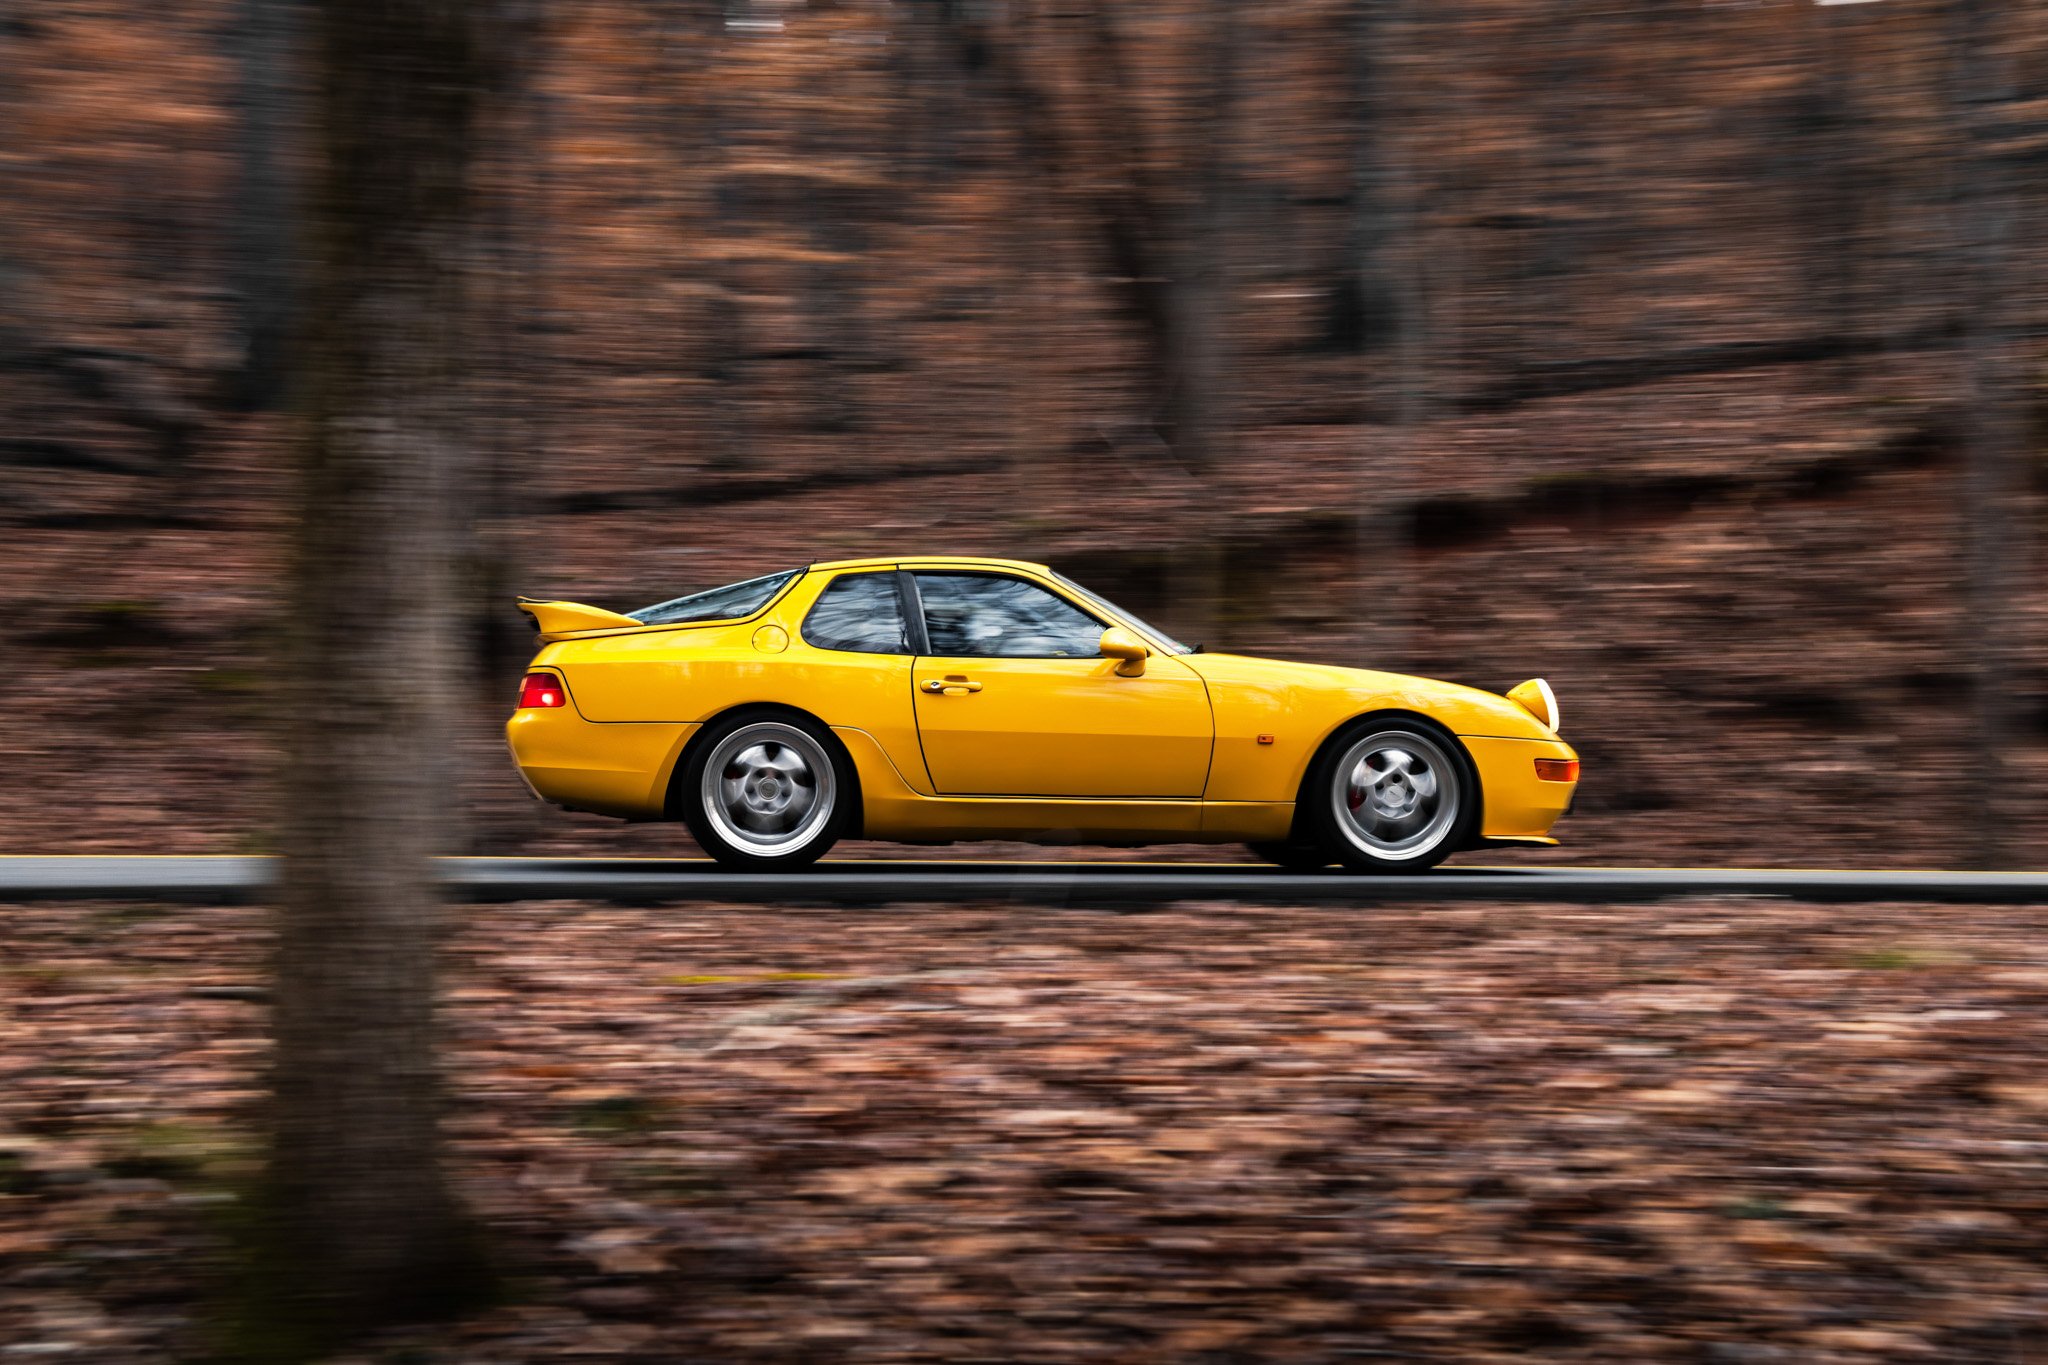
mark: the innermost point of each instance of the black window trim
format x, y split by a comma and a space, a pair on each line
913, 614
912, 636
924, 638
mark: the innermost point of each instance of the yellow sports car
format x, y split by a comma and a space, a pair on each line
926, 700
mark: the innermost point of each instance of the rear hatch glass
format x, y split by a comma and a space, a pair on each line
716, 604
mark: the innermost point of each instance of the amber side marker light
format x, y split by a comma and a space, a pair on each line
540, 690
1558, 769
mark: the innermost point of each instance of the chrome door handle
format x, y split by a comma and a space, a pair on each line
950, 685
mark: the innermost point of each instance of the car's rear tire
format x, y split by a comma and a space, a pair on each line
1295, 857
766, 791
1392, 794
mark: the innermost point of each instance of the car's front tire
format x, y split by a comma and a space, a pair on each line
1393, 794
766, 791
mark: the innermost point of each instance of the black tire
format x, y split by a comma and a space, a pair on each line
1417, 766
785, 792
1292, 856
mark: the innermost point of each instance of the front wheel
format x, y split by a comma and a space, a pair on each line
766, 793
1393, 795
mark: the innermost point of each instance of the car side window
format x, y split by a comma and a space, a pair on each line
861, 613
985, 616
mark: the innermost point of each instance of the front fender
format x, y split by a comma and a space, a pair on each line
1272, 717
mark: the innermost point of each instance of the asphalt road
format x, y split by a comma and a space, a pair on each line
879, 882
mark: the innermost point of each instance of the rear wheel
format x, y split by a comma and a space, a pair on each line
1393, 794
766, 792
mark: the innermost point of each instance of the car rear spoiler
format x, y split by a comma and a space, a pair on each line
556, 619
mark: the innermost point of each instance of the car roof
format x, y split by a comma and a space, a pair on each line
933, 561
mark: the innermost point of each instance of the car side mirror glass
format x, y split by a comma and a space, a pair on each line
1118, 643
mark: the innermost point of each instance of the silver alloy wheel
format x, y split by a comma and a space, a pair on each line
1397, 794
768, 789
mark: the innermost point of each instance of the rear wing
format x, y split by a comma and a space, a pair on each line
555, 619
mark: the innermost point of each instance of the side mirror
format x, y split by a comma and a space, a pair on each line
1118, 643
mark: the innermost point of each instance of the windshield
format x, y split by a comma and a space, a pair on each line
1115, 610
716, 604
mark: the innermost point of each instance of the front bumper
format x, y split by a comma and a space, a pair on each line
1520, 806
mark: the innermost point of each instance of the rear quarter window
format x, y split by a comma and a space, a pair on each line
861, 613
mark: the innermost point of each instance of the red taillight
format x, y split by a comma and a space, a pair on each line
1558, 769
541, 689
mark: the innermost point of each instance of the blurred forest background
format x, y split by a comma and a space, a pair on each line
1692, 355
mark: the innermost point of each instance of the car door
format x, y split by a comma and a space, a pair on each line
1014, 699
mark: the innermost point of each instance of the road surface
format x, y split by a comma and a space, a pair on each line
879, 882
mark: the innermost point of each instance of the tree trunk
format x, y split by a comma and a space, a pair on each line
835, 288
360, 1228
1158, 251
1198, 406
1195, 365
1385, 266
265, 228
508, 337
1993, 543
694, 36
1832, 189
1147, 246
1364, 308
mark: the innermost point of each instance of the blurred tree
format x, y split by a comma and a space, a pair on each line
1161, 247
1832, 191
358, 1226
1199, 404
1563, 108
512, 354
263, 261
835, 204
1377, 309
1993, 541
1364, 310
130, 387
699, 137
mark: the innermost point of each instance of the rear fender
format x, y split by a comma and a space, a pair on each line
718, 725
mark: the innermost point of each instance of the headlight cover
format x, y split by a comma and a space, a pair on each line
1535, 697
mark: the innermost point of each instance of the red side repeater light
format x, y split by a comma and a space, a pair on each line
1558, 769
541, 690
